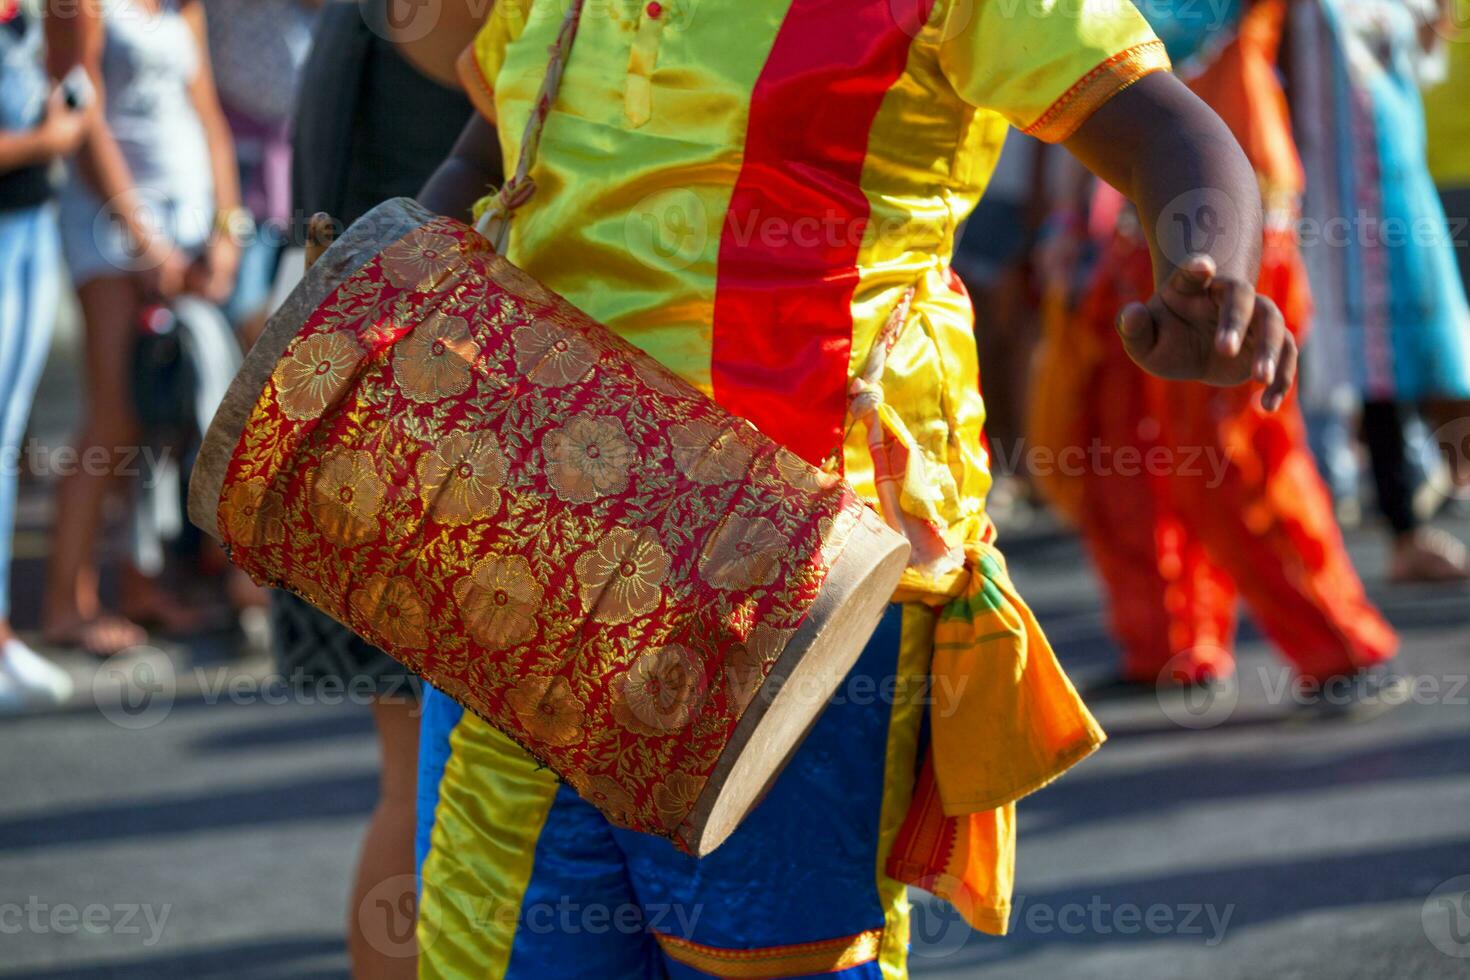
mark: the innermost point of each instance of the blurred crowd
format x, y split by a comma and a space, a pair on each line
146, 163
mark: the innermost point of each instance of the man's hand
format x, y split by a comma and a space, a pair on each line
1199, 326
1173, 157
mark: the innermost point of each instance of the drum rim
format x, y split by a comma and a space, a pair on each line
859, 586
359, 244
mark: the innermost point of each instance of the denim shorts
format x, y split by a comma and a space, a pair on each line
95, 243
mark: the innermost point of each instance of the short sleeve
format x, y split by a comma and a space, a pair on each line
1046, 65
480, 63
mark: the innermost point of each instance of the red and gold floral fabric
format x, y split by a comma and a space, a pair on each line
539, 518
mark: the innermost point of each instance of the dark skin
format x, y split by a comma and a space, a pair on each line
1169, 154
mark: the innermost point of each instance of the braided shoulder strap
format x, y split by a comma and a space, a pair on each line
494, 220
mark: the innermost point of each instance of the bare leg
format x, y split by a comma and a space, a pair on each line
381, 914
73, 612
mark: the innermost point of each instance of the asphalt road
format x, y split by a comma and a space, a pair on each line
210, 832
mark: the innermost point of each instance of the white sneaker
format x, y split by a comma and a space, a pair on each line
41, 683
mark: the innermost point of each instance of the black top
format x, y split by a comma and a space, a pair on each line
33, 185
368, 125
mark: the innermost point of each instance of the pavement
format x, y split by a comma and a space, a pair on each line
185, 818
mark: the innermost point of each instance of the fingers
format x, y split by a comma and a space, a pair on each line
1193, 276
1284, 376
1275, 355
320, 231
1138, 330
1236, 302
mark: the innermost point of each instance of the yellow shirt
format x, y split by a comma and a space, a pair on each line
747, 190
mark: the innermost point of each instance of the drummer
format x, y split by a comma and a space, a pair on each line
749, 200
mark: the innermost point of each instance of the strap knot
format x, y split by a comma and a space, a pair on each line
515, 192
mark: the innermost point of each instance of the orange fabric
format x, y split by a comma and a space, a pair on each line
968, 861
993, 671
1089, 93
1056, 421
773, 962
1237, 507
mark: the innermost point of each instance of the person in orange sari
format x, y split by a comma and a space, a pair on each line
1192, 497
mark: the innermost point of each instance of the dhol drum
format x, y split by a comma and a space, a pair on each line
639, 588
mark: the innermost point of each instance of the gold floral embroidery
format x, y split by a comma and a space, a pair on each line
620, 579
707, 453
392, 606
661, 691
459, 478
254, 514
417, 261
551, 355
605, 794
742, 552
798, 472
315, 373
434, 361
346, 497
674, 796
835, 529
499, 602
385, 481
588, 458
749, 663
548, 709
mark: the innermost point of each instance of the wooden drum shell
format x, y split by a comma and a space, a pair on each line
859, 582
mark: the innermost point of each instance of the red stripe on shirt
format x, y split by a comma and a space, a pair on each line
789, 246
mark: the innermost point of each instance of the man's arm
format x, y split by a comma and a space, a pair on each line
1199, 204
472, 169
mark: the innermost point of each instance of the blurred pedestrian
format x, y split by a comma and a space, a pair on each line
38, 126
1221, 501
146, 217
379, 107
1392, 317
1448, 139
258, 48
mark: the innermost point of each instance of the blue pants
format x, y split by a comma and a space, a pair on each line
522, 878
29, 285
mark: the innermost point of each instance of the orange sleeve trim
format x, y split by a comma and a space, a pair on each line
1096, 87
479, 90
774, 961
